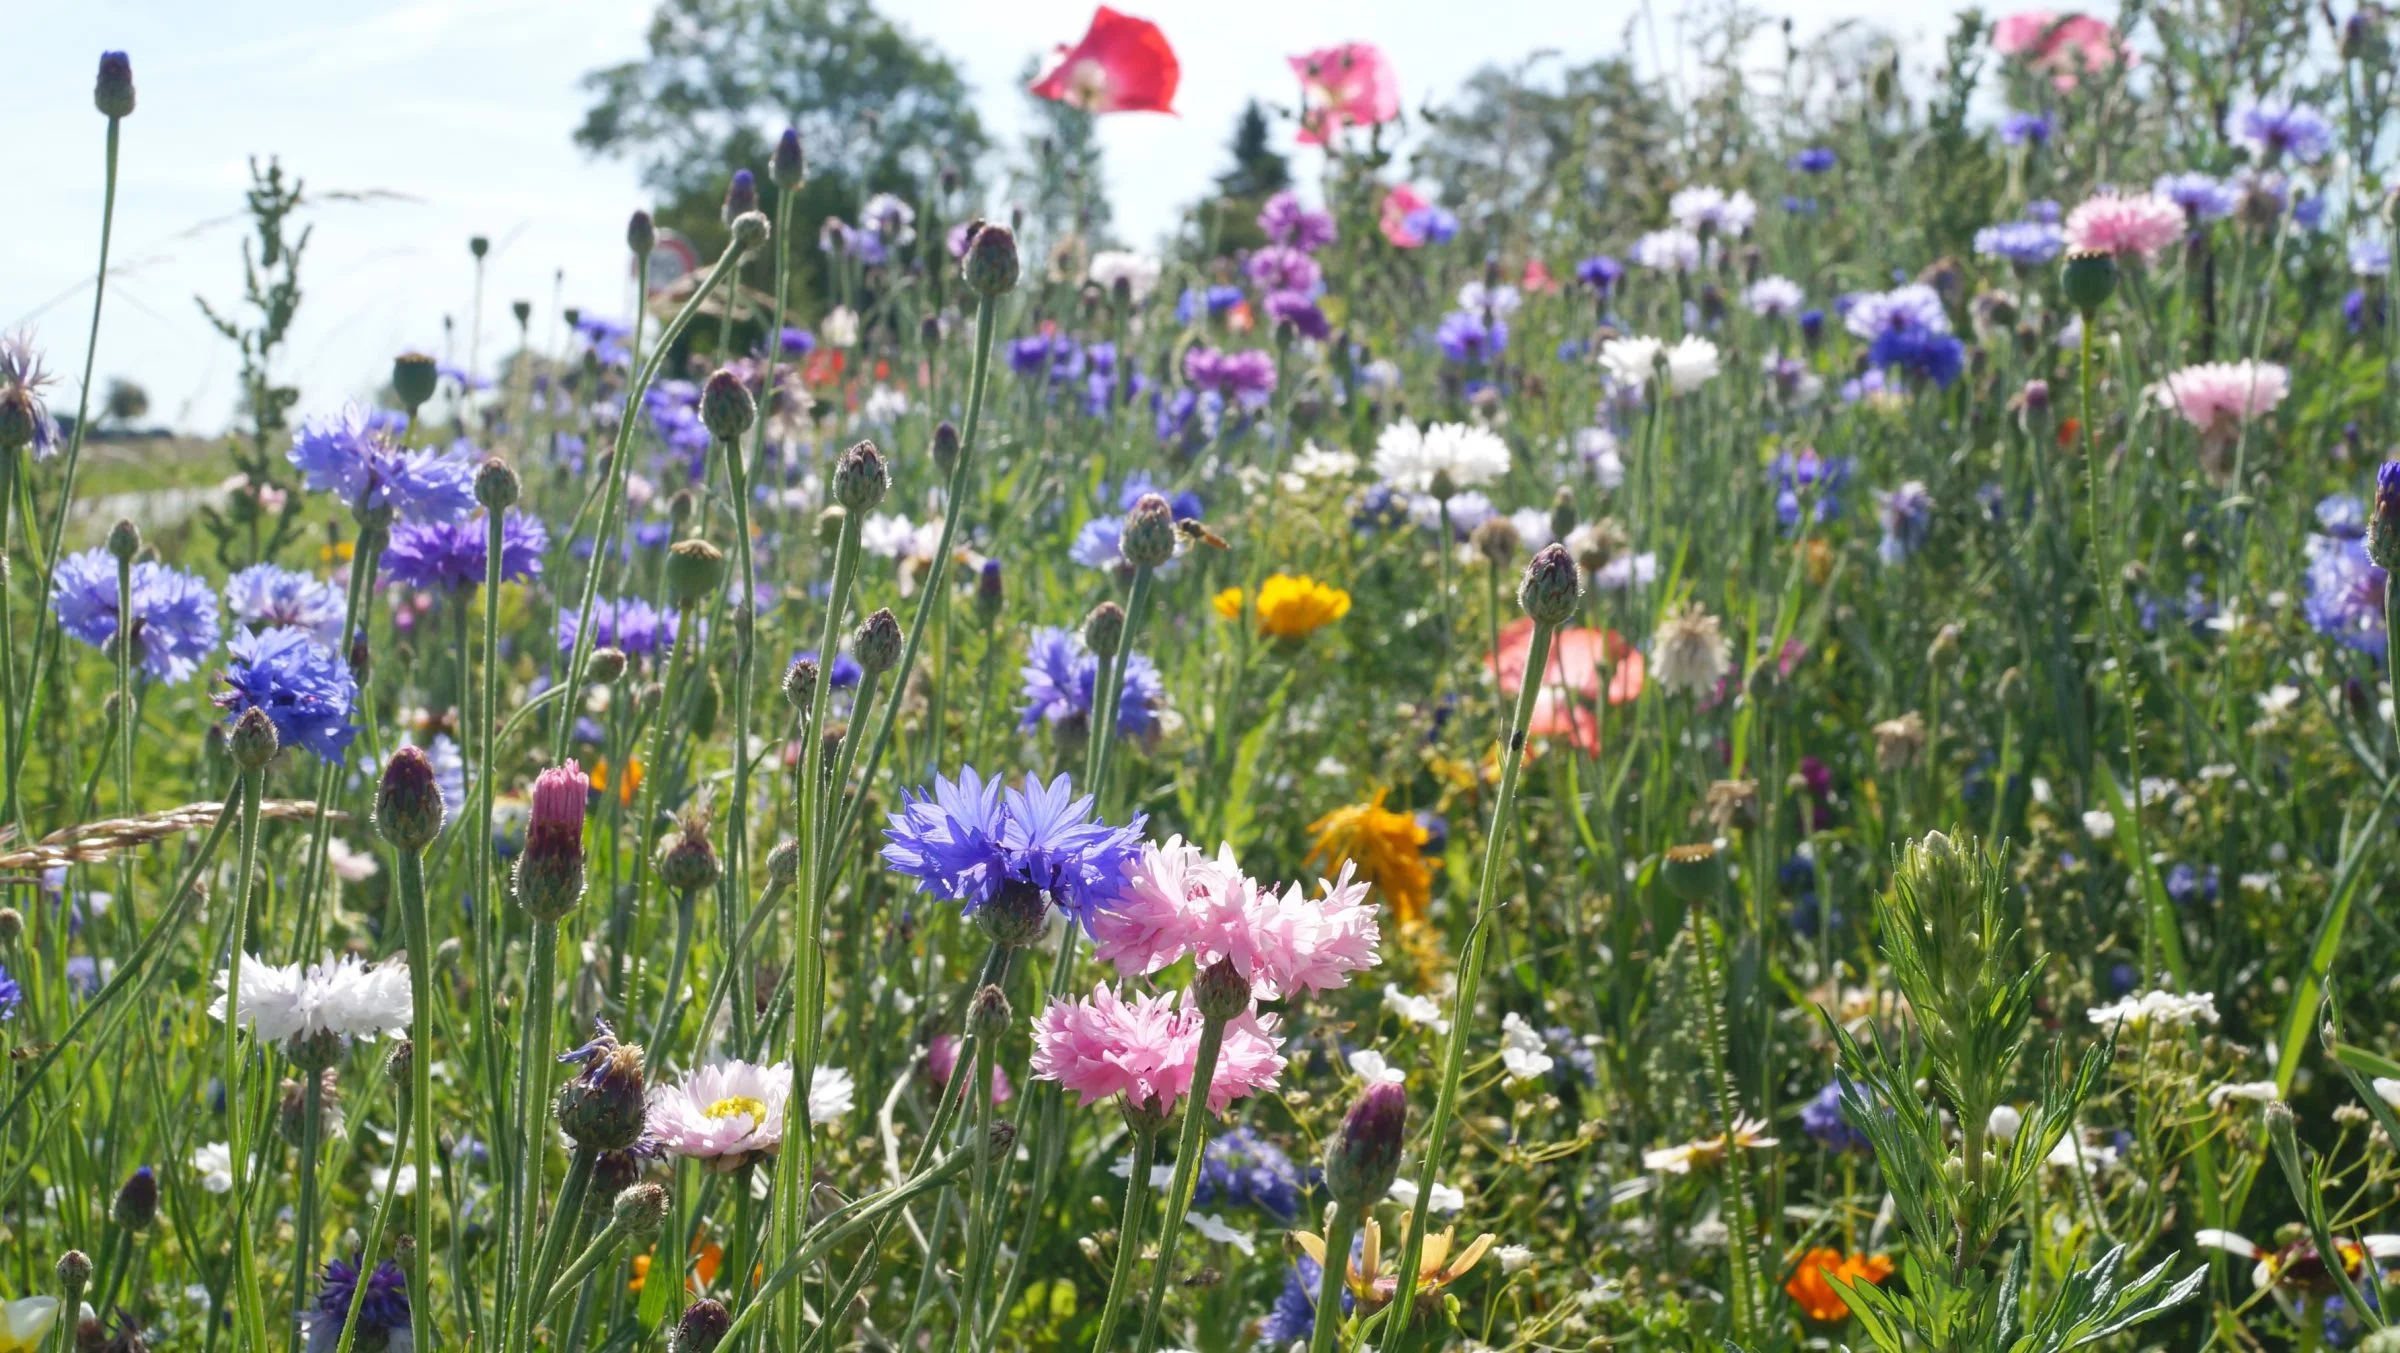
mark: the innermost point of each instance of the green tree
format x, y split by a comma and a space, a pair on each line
1059, 178
1228, 220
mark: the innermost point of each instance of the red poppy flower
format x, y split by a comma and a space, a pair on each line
1123, 65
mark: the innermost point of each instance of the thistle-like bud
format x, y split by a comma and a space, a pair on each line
414, 378
750, 230
496, 484
700, 1328
990, 265
800, 683
2383, 519
1363, 1157
945, 447
605, 665
1104, 629
1015, 916
789, 168
74, 1274
314, 1051
254, 742
1221, 991
408, 801
695, 570
641, 1209
12, 926
929, 331
877, 642
650, 697
686, 861
1562, 513
549, 880
641, 234
1497, 539
989, 597
1551, 588
137, 1201
124, 541
988, 1016
2089, 278
602, 1108
291, 1107
1692, 872
400, 1061
726, 408
741, 194
1149, 535
860, 478
783, 863
112, 93
478, 246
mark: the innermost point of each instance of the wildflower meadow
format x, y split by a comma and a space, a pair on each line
1741, 711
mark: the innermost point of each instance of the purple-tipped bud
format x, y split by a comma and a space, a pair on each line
496, 484
1149, 536
945, 447
1221, 991
2383, 522
741, 194
990, 266
789, 169
1016, 915
1104, 629
877, 642
726, 408
1551, 587
550, 868
613, 1172
1363, 1158
989, 596
414, 378
603, 1107
700, 1328
860, 478
112, 94
408, 802
641, 234
254, 741
137, 1202
750, 231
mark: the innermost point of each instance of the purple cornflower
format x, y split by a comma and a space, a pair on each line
1822, 1118
11, 995
1061, 675
266, 596
967, 839
383, 1317
1280, 267
1907, 516
22, 406
2345, 593
1213, 302
355, 456
1914, 306
1925, 353
1600, 273
2025, 129
1293, 1317
1247, 376
1805, 480
2273, 130
1814, 160
1296, 309
301, 685
2027, 244
1287, 222
2343, 515
628, 624
1434, 225
451, 555
1037, 355
1243, 1169
174, 612
1466, 336
2203, 197
605, 339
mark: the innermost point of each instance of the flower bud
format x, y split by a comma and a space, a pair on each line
12, 925
414, 378
829, 524
605, 665
1148, 539
700, 1328
1220, 991
750, 230
112, 94
124, 541
990, 266
989, 597
641, 1209
523, 310
137, 1201
2089, 278
681, 504
726, 408
641, 234
1104, 629
1363, 1156
1551, 588
695, 570
398, 1062
496, 484
783, 863
1016, 916
408, 802
2383, 519
1692, 872
945, 447
789, 168
1562, 513
877, 642
741, 195
314, 1051
254, 741
860, 478
703, 703
800, 683
478, 246
613, 1172
291, 1108
650, 697
74, 1274
988, 1016
602, 1107
549, 878
1497, 539
686, 861
2004, 1121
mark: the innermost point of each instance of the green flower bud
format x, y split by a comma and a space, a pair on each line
414, 377
1104, 629
112, 93
726, 408
641, 234
124, 541
1221, 991
750, 230
496, 484
700, 1328
1149, 536
254, 741
800, 684
990, 265
1016, 916
877, 642
945, 447
1363, 1157
137, 1201
789, 168
603, 1107
860, 478
605, 665
695, 570
641, 1209
1551, 588
408, 801
2089, 278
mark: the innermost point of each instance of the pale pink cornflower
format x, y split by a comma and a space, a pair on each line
941, 1061
2218, 397
1182, 902
2061, 47
1145, 1049
2138, 223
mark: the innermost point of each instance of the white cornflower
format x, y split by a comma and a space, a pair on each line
1673, 250
1774, 297
1632, 361
1413, 459
2157, 1009
884, 406
1369, 1065
338, 996
1501, 300
1703, 207
1139, 272
1691, 363
1314, 463
213, 1162
840, 327
1627, 572
1423, 1010
1691, 653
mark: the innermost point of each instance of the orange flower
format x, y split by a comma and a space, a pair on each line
1228, 603
1812, 1287
633, 779
704, 1269
1388, 849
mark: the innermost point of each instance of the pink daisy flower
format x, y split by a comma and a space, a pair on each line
2218, 397
2142, 224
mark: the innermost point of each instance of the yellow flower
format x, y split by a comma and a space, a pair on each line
1228, 603
1295, 607
1388, 849
336, 553
1436, 1269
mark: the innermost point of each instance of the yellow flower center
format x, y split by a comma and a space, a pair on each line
733, 1104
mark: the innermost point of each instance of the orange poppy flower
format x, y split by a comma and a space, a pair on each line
1812, 1288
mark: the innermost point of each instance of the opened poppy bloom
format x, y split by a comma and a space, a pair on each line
1122, 65
1577, 657
2063, 47
1812, 1287
1352, 85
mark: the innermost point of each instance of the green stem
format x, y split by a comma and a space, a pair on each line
251, 1323
1329, 1282
1187, 1165
1129, 1237
410, 873
533, 1101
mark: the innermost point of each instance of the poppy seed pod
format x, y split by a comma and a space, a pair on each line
549, 881
695, 570
789, 168
254, 742
750, 230
1148, 539
496, 484
1363, 1157
414, 378
877, 642
408, 801
1692, 872
112, 93
603, 1107
860, 478
726, 408
990, 265
1551, 588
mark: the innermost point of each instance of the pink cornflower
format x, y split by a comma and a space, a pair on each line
1144, 1049
941, 1059
2142, 223
2218, 397
1401, 203
2063, 48
1352, 85
1182, 902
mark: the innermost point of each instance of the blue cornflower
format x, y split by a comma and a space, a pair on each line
1437, 833
2203, 197
2309, 212
628, 623
605, 339
846, 672
174, 612
1061, 676
674, 410
1804, 479
1380, 507
1937, 357
1822, 1119
2025, 129
2027, 244
1812, 325
11, 995
1056, 357
383, 1317
1434, 225
1814, 160
266, 596
1914, 307
796, 342
302, 686
1600, 273
1907, 516
967, 839
356, 457
2342, 514
1466, 336
21, 402
2345, 593
1573, 1054
1243, 1169
1293, 1317
1797, 205
2370, 258
2187, 885
1213, 302
451, 555
2273, 130
2045, 210
1098, 544
1186, 504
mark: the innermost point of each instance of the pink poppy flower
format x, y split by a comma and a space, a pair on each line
2218, 397
1398, 205
941, 1059
1145, 1049
1122, 65
2142, 223
1353, 85
2063, 48
1577, 657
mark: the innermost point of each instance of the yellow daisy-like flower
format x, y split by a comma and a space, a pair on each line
1437, 1268
1388, 849
1228, 603
1294, 607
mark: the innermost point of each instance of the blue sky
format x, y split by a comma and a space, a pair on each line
461, 111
